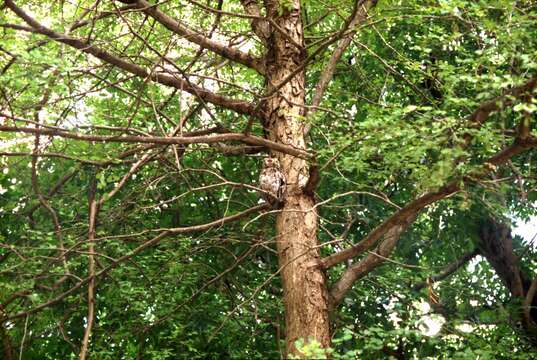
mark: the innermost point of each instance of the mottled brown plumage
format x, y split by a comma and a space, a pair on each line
272, 180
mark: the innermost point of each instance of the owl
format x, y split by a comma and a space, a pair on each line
272, 180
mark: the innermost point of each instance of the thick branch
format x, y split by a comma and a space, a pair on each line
367, 264
394, 220
395, 225
176, 140
61, 156
528, 300
477, 118
205, 42
417, 205
480, 115
239, 106
260, 27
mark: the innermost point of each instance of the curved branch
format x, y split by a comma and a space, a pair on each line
480, 115
204, 42
395, 225
357, 271
528, 300
477, 118
240, 106
394, 220
417, 205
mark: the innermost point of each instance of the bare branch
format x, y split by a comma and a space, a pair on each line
240, 106
357, 271
63, 156
326, 76
205, 42
93, 209
181, 140
105, 14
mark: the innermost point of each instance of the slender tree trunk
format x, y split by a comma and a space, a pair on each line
6, 346
304, 284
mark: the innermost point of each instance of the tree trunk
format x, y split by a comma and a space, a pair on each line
496, 244
7, 348
304, 284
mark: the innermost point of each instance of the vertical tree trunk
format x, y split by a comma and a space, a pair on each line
6, 349
304, 284
496, 244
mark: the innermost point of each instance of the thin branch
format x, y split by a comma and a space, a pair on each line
102, 15
328, 72
216, 278
93, 209
63, 156
55, 188
24, 336
150, 243
448, 270
34, 179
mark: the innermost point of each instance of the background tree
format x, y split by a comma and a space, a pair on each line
133, 137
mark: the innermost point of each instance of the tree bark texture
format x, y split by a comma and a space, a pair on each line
304, 283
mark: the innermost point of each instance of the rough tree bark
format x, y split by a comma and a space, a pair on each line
304, 283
